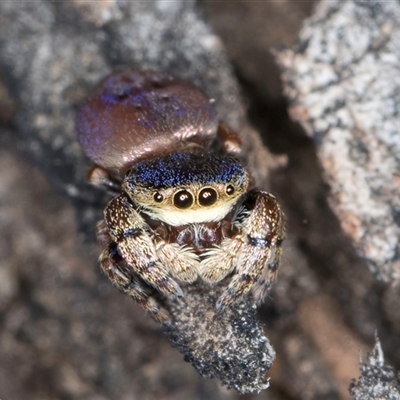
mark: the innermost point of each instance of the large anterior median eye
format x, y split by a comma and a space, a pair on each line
183, 199
207, 197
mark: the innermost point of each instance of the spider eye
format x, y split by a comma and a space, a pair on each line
230, 190
183, 199
158, 197
207, 197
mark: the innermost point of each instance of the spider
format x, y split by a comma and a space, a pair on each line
183, 208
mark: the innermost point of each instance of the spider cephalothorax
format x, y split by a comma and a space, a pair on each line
187, 188
184, 211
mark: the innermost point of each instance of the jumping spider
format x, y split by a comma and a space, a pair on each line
183, 208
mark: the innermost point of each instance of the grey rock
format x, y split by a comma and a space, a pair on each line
342, 82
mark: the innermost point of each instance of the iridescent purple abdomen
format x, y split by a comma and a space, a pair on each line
133, 115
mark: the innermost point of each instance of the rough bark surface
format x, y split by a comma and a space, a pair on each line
378, 380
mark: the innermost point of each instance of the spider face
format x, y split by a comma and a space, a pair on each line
183, 209
187, 188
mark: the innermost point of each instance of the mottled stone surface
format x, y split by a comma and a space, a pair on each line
343, 84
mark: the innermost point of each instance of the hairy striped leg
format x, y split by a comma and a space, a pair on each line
123, 277
258, 260
135, 245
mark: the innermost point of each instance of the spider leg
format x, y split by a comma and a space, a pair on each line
123, 277
263, 284
99, 177
131, 235
263, 233
230, 140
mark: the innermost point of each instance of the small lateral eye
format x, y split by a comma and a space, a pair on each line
183, 199
158, 197
207, 197
230, 190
